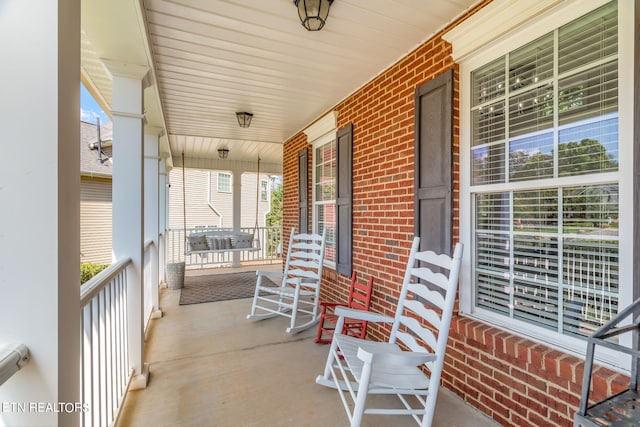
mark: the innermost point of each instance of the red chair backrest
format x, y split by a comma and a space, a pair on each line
360, 294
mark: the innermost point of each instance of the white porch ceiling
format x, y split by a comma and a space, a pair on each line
212, 58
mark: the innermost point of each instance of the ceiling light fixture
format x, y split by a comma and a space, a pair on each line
223, 153
313, 13
244, 119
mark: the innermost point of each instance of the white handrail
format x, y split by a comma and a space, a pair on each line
12, 358
94, 285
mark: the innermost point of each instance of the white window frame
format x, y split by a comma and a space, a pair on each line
264, 182
535, 27
325, 139
230, 183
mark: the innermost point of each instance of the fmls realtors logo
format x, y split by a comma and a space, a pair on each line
43, 407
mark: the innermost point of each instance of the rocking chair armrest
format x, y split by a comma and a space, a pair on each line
395, 358
362, 315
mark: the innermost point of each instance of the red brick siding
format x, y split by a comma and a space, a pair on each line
515, 380
512, 379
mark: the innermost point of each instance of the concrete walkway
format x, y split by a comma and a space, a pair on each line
212, 367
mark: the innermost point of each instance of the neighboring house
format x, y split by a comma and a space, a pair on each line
512, 131
95, 193
209, 199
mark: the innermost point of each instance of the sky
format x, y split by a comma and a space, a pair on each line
89, 108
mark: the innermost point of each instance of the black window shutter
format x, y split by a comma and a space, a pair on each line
344, 143
433, 163
303, 205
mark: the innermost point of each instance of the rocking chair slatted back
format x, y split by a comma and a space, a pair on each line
423, 284
305, 259
360, 295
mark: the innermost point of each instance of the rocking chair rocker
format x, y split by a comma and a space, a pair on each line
358, 368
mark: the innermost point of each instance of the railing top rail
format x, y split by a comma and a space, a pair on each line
100, 280
12, 358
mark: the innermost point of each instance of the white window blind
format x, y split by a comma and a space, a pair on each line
547, 112
325, 179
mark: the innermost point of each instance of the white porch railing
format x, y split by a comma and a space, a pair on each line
105, 371
268, 251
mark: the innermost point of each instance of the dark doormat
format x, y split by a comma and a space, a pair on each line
219, 287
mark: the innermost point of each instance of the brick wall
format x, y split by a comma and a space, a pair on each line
512, 379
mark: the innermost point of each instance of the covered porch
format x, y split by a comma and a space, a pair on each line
173, 75
209, 366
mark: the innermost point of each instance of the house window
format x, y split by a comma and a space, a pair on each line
324, 192
224, 182
264, 190
544, 180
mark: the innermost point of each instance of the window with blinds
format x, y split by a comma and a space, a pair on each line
325, 179
544, 156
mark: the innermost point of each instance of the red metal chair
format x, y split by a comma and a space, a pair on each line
359, 299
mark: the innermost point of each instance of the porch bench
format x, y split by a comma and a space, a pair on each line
219, 241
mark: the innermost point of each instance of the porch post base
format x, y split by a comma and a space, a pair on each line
156, 313
140, 381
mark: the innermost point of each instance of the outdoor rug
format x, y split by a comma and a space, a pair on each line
219, 287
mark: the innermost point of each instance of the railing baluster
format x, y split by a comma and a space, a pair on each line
104, 370
109, 352
86, 362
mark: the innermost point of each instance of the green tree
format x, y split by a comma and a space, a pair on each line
274, 217
586, 156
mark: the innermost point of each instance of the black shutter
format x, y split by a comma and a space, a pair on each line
344, 148
433, 163
303, 205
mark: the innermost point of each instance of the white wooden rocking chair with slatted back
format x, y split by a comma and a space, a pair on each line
298, 295
409, 365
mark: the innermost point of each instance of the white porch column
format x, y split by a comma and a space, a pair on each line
152, 212
40, 207
128, 200
162, 204
237, 209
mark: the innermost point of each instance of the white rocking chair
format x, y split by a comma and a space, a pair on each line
299, 293
358, 368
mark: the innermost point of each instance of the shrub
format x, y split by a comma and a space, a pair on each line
88, 270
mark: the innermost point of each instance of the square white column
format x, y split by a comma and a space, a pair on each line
237, 209
152, 217
40, 206
163, 192
128, 201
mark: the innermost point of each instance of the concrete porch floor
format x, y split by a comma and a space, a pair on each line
212, 367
